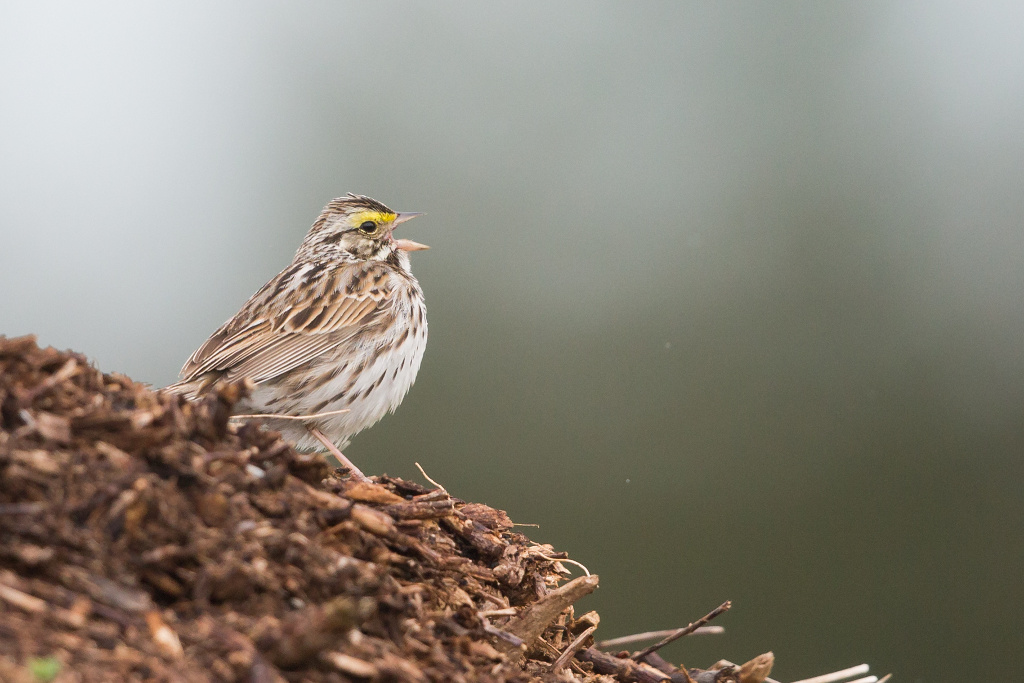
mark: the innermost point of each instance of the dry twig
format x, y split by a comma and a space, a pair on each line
427, 477
538, 616
574, 647
623, 669
565, 559
651, 635
679, 633
836, 676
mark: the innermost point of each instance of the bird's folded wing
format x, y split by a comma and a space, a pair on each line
268, 338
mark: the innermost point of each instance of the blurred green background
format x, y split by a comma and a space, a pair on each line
726, 297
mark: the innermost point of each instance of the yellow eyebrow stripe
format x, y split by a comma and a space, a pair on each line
377, 217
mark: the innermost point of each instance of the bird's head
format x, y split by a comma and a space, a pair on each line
360, 227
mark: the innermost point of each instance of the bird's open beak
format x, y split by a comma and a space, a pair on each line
403, 217
408, 245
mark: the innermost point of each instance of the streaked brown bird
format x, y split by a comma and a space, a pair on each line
341, 328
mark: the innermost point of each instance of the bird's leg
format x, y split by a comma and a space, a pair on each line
355, 471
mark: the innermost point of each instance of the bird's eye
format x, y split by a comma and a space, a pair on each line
368, 227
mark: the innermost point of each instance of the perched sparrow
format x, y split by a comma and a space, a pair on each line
343, 327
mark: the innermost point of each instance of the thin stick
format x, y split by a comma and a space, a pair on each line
651, 635
24, 601
837, 675
490, 628
534, 619
355, 471
574, 647
565, 559
679, 633
427, 477
622, 669
280, 416
551, 650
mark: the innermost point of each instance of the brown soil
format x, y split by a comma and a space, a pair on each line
146, 538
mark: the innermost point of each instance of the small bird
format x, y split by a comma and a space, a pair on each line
343, 327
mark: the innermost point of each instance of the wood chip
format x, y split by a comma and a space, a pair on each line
165, 638
368, 492
22, 601
348, 664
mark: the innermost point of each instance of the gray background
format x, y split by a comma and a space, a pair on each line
726, 297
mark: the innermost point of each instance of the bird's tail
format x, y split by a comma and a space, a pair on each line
194, 387
187, 388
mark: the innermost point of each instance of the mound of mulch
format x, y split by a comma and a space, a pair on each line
143, 537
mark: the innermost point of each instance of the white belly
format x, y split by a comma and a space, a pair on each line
368, 382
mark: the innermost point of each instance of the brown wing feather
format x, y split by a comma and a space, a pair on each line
270, 336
